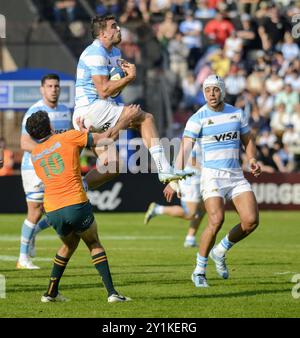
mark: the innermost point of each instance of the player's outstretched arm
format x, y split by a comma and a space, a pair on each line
250, 149
186, 146
27, 143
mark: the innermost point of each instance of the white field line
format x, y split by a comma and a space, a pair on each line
15, 258
13, 238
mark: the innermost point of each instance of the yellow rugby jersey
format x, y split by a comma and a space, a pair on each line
57, 163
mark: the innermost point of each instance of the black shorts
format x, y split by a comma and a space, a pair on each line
73, 218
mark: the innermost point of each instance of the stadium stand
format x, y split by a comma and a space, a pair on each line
175, 45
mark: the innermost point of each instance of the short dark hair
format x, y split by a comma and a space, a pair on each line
98, 24
51, 76
38, 125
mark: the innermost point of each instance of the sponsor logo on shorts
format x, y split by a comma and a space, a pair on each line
105, 126
87, 220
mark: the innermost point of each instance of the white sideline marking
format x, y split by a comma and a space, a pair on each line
130, 238
13, 238
15, 258
284, 273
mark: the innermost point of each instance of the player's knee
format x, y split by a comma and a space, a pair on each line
108, 166
216, 221
73, 247
214, 228
34, 214
190, 215
250, 223
91, 240
148, 118
93, 244
68, 249
216, 218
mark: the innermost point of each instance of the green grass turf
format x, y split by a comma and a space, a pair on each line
150, 265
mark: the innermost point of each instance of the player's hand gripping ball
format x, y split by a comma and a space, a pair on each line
116, 73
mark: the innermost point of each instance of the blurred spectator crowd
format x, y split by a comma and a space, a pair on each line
8, 157
252, 44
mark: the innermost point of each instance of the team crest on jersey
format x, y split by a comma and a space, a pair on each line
210, 122
233, 117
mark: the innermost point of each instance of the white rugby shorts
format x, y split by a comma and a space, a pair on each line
33, 186
100, 115
221, 183
190, 189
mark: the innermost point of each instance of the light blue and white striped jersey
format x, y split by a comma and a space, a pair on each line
94, 60
219, 136
60, 118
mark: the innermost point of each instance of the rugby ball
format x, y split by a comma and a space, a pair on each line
116, 73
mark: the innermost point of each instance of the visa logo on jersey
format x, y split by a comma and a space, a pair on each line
227, 136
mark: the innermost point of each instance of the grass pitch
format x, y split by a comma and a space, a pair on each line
150, 265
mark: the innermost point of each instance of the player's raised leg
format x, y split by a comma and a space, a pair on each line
95, 91
149, 133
